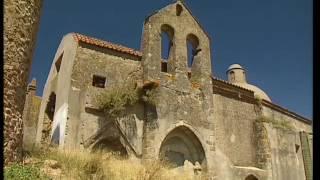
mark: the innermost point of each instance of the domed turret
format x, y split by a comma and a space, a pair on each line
237, 75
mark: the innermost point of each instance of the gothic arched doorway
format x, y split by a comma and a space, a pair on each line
182, 144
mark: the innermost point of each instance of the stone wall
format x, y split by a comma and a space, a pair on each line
56, 83
296, 123
21, 19
235, 130
286, 154
83, 120
30, 116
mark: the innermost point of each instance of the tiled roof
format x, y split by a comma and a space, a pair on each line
270, 104
226, 82
105, 44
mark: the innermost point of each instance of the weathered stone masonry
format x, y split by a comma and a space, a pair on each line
230, 129
21, 19
30, 116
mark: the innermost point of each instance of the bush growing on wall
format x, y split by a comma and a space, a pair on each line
115, 99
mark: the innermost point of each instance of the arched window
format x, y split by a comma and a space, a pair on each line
192, 47
167, 34
251, 177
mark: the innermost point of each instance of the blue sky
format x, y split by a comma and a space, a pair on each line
271, 39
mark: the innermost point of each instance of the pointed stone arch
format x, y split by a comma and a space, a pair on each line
182, 144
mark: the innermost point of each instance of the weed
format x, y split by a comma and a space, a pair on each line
25, 172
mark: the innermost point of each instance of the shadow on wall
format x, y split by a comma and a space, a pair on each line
56, 136
115, 134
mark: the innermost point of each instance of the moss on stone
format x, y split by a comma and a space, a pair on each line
279, 123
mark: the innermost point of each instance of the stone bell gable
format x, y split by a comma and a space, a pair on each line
228, 129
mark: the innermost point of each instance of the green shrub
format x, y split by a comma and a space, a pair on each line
115, 99
21, 172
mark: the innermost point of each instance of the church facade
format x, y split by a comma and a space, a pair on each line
231, 129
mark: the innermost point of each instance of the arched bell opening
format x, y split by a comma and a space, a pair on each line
167, 36
182, 145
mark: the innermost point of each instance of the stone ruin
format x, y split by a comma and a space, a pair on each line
228, 129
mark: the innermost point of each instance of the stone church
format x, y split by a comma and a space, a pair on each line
229, 129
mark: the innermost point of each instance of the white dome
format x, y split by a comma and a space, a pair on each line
257, 91
235, 66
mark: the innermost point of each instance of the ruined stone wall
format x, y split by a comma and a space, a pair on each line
21, 19
57, 83
117, 68
235, 130
30, 116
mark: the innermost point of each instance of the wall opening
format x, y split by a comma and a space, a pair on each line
179, 9
251, 177
180, 145
297, 148
48, 118
99, 81
58, 63
51, 106
192, 48
167, 34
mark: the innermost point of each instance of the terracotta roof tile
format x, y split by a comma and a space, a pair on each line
227, 82
105, 44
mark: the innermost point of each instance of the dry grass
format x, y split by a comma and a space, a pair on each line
107, 165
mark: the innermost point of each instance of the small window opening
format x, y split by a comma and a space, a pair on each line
99, 81
164, 66
192, 48
189, 73
178, 9
297, 148
58, 62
